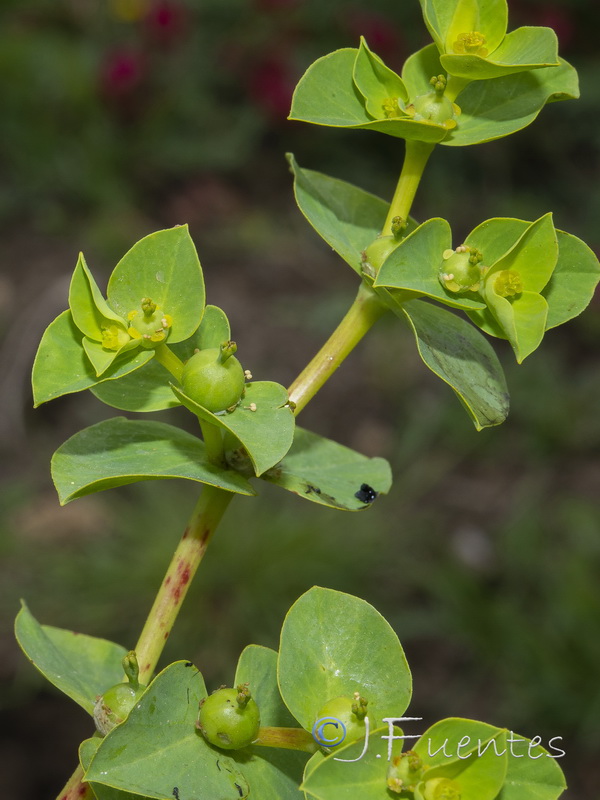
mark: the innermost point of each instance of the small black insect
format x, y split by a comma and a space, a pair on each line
239, 788
176, 792
366, 493
188, 664
310, 488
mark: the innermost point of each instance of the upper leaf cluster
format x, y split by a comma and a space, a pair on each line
487, 83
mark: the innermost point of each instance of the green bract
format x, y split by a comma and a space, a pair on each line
155, 293
472, 40
352, 88
515, 279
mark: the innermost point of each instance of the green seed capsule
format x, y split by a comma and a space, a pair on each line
229, 718
214, 378
442, 789
377, 252
350, 712
404, 772
114, 705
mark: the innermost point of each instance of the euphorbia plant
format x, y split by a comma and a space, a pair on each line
319, 718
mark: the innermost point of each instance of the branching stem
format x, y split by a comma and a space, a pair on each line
362, 315
415, 159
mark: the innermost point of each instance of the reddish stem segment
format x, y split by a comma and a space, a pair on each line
76, 789
186, 559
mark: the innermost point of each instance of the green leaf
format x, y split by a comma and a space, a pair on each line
118, 451
375, 81
257, 666
163, 266
62, 367
149, 389
102, 359
87, 750
533, 256
418, 70
158, 747
146, 390
82, 667
471, 753
90, 311
270, 772
571, 285
263, 423
524, 49
573, 282
346, 217
327, 95
535, 776
415, 266
348, 773
495, 237
328, 473
334, 644
461, 357
446, 19
523, 320
501, 106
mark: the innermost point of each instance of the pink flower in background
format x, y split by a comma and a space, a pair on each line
380, 32
558, 18
121, 72
270, 85
166, 21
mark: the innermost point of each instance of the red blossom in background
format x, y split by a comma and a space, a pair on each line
166, 21
121, 72
270, 85
558, 18
380, 32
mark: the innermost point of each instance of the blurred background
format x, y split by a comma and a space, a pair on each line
118, 118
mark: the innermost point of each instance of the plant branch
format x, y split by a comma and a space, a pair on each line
186, 559
286, 739
362, 315
415, 159
213, 441
76, 788
165, 356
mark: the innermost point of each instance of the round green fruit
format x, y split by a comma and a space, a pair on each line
214, 378
114, 705
229, 718
341, 721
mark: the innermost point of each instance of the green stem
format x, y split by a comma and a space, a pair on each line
362, 315
415, 159
165, 356
286, 739
455, 86
213, 441
186, 559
